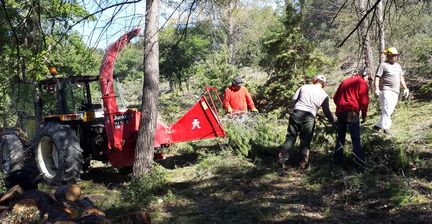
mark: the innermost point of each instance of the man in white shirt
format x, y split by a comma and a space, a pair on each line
308, 99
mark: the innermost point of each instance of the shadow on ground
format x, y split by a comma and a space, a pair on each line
107, 176
326, 193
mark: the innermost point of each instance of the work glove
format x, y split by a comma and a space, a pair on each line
377, 92
255, 110
406, 93
230, 110
335, 120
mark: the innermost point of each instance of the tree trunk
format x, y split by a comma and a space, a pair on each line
365, 39
381, 32
144, 148
230, 29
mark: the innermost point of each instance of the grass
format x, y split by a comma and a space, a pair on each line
209, 184
225, 188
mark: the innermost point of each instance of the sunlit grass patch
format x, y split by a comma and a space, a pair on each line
224, 162
411, 122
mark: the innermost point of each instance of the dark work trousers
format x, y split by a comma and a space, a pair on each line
301, 123
354, 129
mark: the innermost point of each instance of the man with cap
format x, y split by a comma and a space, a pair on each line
308, 99
388, 80
351, 98
237, 98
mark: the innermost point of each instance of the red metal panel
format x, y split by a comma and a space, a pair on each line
125, 134
162, 135
200, 122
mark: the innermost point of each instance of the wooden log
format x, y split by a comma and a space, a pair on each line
71, 209
25, 211
92, 219
135, 218
92, 211
86, 203
65, 222
71, 192
11, 194
47, 205
24, 205
89, 208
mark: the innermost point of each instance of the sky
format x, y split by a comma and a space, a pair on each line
105, 30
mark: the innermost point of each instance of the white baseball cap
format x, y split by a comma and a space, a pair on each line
321, 78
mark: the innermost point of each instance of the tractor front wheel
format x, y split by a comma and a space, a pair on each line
58, 154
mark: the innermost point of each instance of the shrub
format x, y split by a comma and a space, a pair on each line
384, 154
253, 132
426, 90
400, 193
142, 190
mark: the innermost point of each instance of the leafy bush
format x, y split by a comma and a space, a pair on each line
142, 190
426, 90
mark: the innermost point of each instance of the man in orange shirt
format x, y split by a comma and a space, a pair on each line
237, 98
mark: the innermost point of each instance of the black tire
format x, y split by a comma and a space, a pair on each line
58, 154
11, 153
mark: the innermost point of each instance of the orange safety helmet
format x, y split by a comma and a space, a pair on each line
53, 70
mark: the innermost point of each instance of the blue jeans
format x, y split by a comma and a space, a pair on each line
354, 129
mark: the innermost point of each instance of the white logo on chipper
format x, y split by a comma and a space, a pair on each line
195, 124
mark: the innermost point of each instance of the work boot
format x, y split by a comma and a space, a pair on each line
304, 163
282, 159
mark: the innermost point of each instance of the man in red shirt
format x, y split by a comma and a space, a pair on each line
237, 98
350, 98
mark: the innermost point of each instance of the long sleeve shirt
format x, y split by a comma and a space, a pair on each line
237, 100
352, 95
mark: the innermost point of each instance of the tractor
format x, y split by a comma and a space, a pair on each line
70, 130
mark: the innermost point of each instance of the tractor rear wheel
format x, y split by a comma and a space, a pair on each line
12, 153
58, 154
